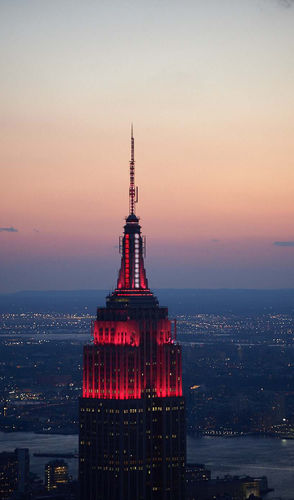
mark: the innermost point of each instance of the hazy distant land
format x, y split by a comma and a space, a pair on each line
179, 301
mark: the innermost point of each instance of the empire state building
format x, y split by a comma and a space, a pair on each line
132, 415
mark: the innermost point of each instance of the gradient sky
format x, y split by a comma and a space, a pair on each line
209, 87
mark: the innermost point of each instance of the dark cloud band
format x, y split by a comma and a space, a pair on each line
284, 243
8, 230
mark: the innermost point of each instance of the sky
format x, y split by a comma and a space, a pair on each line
209, 88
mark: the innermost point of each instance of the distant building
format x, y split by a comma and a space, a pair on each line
23, 460
235, 487
56, 474
14, 472
8, 474
263, 485
197, 472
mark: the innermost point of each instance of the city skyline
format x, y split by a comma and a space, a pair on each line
209, 88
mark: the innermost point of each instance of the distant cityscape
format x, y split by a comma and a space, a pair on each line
19, 483
237, 372
237, 381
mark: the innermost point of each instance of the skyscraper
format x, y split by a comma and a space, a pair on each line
132, 413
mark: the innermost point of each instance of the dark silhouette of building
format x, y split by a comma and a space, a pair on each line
14, 472
197, 472
23, 459
56, 474
8, 474
231, 487
132, 415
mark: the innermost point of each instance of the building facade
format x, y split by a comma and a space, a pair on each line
132, 413
14, 472
56, 474
8, 474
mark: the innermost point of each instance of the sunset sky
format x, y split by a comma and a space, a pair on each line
209, 87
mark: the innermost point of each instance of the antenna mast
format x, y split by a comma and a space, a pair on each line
133, 192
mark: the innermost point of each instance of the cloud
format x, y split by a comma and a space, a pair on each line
8, 229
215, 240
284, 243
286, 3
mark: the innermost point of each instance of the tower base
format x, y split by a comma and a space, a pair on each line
132, 449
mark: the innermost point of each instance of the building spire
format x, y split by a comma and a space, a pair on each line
132, 276
132, 190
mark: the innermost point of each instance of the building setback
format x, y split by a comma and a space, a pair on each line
132, 413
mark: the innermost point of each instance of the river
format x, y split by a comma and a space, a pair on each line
255, 456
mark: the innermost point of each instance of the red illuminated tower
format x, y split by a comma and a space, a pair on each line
132, 415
